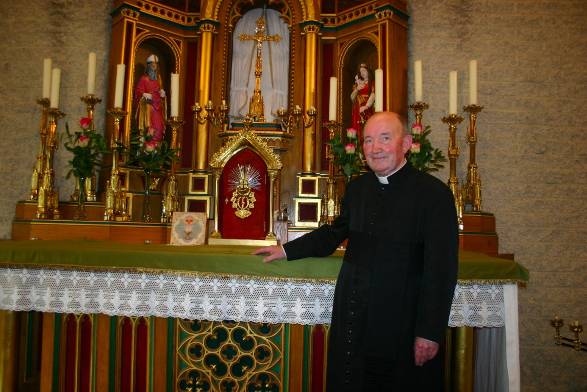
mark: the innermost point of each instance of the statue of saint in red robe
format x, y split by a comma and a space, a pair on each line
363, 97
150, 101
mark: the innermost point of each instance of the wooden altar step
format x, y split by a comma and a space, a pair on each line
478, 234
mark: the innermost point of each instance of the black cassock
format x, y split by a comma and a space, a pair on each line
396, 281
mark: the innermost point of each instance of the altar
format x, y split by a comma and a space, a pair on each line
187, 307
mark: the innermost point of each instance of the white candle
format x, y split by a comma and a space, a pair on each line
47, 78
55, 81
418, 80
92, 73
174, 95
332, 100
378, 90
452, 93
118, 90
473, 82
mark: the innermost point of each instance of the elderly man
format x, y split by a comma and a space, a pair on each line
150, 101
396, 283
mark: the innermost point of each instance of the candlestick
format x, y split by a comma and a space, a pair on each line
55, 81
452, 93
47, 78
418, 108
418, 80
171, 199
472, 189
115, 208
473, 82
118, 91
378, 90
174, 94
90, 100
453, 152
332, 99
330, 200
91, 73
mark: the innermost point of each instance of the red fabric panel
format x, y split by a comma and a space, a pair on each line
187, 137
318, 355
70, 359
125, 354
254, 226
85, 354
141, 356
327, 72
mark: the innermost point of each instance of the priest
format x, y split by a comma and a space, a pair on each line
395, 287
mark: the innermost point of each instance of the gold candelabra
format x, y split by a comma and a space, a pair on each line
472, 188
171, 199
48, 195
217, 117
418, 108
39, 168
575, 327
291, 120
115, 204
330, 199
453, 120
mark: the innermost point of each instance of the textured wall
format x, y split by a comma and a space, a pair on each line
531, 152
66, 31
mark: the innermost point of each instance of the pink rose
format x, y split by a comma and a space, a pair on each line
83, 140
151, 131
416, 129
150, 145
351, 133
415, 148
85, 122
350, 148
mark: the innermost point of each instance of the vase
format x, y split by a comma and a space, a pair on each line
80, 209
146, 217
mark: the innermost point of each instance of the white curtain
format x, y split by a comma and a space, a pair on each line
275, 77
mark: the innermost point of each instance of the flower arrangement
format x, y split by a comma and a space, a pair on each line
347, 153
87, 147
150, 154
422, 155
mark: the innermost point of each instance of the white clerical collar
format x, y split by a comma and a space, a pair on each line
383, 179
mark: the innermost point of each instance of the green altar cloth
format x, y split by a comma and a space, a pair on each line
217, 260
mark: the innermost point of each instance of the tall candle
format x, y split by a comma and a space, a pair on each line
473, 82
332, 100
378, 90
174, 95
55, 81
47, 78
92, 73
418, 80
452, 93
118, 90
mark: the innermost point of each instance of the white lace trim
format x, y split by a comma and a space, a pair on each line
207, 297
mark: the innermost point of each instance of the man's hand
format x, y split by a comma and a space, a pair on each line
424, 350
162, 93
148, 96
274, 252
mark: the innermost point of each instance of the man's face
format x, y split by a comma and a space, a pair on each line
384, 144
152, 65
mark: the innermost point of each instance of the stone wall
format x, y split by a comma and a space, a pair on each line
531, 152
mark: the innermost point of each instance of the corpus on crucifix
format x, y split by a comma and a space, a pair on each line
256, 106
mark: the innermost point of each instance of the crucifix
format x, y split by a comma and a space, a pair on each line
256, 106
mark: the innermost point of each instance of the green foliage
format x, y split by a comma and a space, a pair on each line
347, 158
150, 155
87, 147
426, 158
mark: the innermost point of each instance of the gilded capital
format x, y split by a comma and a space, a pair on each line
207, 27
384, 14
311, 28
132, 14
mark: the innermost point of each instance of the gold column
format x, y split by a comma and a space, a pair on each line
271, 234
462, 352
207, 30
7, 351
217, 173
311, 32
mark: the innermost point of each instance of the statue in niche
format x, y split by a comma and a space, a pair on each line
150, 100
362, 97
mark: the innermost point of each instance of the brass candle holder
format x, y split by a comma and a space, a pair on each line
575, 327
48, 196
453, 120
171, 199
115, 206
218, 118
472, 188
90, 100
38, 169
330, 199
289, 119
418, 108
